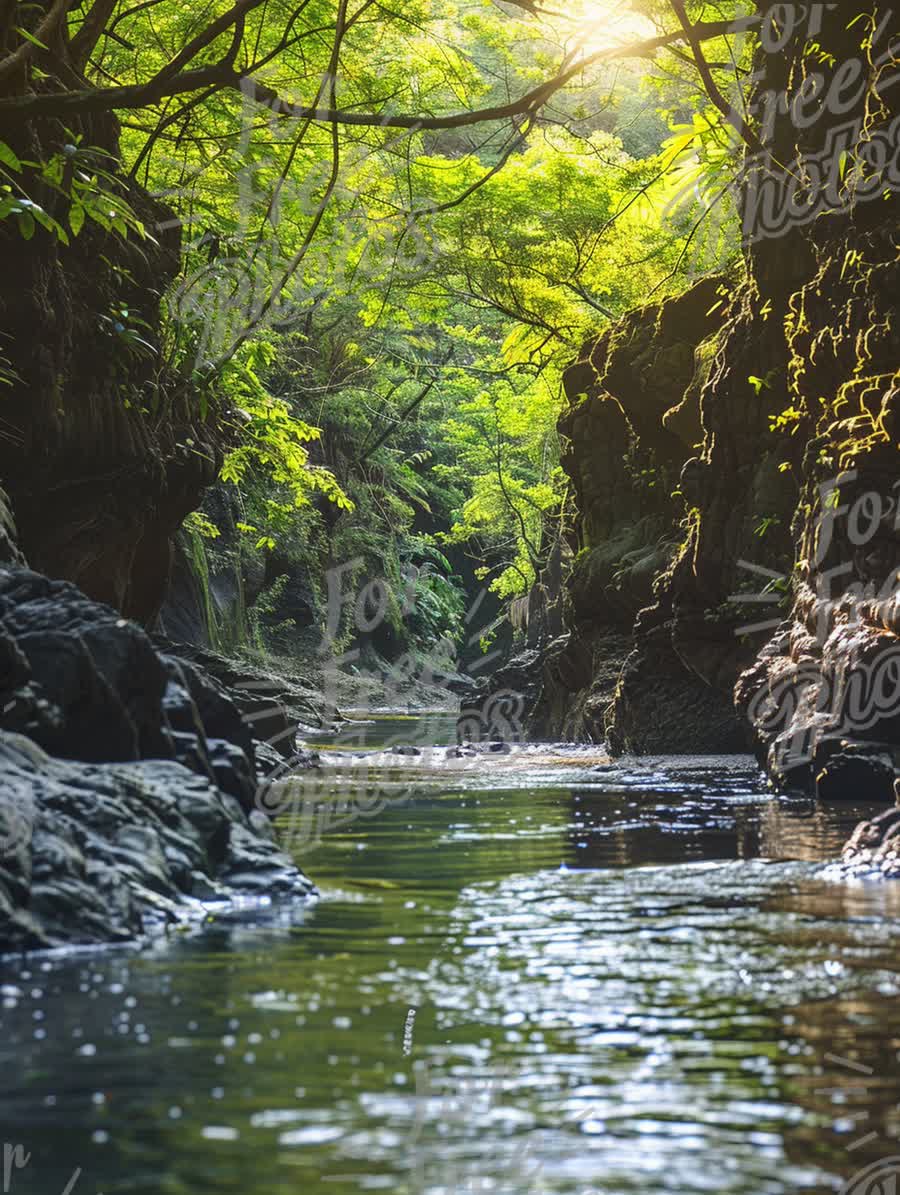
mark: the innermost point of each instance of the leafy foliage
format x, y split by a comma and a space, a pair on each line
399, 226
274, 443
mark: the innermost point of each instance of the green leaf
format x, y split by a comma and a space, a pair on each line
200, 523
8, 158
30, 37
757, 383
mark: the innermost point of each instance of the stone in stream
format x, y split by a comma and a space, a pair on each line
875, 844
112, 851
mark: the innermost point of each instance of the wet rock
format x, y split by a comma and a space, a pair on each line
268, 759
272, 706
213, 712
134, 780
98, 670
261, 825
663, 707
254, 867
875, 844
631, 424
203, 888
232, 770
826, 715
860, 772
499, 709
86, 684
110, 851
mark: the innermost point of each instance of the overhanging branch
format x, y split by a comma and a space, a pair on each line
223, 76
710, 86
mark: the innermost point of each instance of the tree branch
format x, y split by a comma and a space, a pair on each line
294, 263
234, 16
52, 22
533, 553
165, 123
405, 413
709, 84
139, 95
90, 32
591, 302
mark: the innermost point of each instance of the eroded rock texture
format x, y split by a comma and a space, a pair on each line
108, 852
631, 430
777, 570
823, 696
89, 849
103, 449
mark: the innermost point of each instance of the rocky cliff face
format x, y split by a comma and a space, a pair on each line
633, 432
102, 448
823, 696
779, 564
633, 429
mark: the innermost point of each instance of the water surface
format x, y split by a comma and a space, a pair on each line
529, 975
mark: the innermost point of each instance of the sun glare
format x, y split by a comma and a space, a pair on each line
605, 24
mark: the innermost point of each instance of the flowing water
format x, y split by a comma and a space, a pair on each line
535, 973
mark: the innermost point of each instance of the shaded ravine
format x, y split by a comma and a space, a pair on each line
528, 977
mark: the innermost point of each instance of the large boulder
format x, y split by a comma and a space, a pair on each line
127, 776
109, 852
98, 669
89, 685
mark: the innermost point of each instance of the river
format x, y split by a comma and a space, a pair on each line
536, 973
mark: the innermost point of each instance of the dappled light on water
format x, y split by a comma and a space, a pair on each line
554, 974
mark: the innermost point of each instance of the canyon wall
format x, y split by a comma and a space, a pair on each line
736, 469
102, 447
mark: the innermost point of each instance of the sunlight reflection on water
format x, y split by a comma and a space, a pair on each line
582, 981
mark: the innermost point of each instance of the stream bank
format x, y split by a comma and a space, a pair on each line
129, 777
